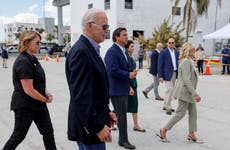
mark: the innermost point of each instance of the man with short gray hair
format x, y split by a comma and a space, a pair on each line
89, 119
153, 71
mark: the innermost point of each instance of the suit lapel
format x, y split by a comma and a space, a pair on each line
127, 62
170, 58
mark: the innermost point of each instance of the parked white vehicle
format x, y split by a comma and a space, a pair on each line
12, 49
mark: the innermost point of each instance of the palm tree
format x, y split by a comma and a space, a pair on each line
49, 37
40, 30
161, 34
190, 15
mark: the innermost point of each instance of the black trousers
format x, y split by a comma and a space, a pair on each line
120, 106
200, 66
23, 120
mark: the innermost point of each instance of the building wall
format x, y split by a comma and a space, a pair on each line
47, 24
147, 15
206, 25
12, 28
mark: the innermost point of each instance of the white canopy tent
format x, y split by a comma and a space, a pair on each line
222, 33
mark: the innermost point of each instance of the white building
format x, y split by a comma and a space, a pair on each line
12, 28
144, 15
47, 24
17, 27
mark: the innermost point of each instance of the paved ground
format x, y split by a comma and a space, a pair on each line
213, 114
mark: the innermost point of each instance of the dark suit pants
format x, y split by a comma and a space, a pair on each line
200, 66
23, 121
120, 106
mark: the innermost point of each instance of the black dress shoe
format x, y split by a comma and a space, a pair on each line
145, 94
159, 99
172, 110
127, 145
169, 113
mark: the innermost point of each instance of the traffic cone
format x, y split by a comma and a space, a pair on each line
46, 57
57, 58
207, 69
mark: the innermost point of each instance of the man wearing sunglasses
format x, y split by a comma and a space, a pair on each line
89, 119
167, 72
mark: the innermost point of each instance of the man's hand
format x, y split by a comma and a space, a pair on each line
105, 134
113, 119
161, 80
133, 74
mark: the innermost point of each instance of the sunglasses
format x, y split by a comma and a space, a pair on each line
171, 42
104, 26
37, 43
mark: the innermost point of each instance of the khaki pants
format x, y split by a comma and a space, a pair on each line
180, 113
169, 92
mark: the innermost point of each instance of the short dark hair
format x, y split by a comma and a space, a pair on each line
117, 32
129, 42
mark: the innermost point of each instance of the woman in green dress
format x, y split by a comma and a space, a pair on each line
133, 99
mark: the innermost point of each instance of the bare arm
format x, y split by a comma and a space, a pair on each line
28, 88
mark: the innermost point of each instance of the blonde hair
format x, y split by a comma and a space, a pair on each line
25, 38
185, 51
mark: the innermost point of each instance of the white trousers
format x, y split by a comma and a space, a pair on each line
169, 92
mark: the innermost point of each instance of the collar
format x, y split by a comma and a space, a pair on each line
122, 48
172, 50
94, 44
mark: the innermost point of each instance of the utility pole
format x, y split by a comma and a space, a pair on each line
214, 41
43, 9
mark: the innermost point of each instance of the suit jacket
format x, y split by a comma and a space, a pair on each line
89, 93
165, 65
185, 87
154, 61
118, 69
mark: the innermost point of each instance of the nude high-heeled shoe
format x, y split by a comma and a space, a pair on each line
194, 139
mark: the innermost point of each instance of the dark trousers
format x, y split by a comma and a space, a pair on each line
200, 66
120, 106
100, 146
140, 60
225, 61
23, 120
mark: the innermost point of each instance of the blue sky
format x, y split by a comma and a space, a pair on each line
28, 11
10, 8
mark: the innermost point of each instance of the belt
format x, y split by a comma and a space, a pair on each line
174, 70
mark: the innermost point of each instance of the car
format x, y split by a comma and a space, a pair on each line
12, 49
56, 50
43, 50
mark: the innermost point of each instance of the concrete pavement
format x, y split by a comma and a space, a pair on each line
213, 114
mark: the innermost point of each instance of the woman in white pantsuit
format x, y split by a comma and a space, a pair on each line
185, 91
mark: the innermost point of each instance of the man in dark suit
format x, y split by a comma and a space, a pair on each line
153, 71
89, 117
167, 72
120, 72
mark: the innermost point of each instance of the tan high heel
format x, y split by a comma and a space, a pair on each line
194, 139
161, 137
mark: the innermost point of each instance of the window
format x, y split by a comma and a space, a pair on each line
107, 4
107, 36
90, 5
177, 11
136, 32
128, 4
